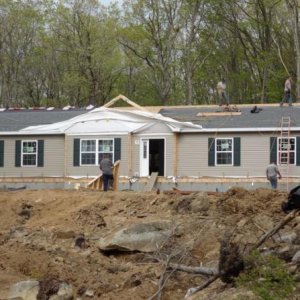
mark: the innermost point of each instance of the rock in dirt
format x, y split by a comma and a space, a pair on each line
26, 290
144, 237
47, 289
288, 238
195, 203
296, 257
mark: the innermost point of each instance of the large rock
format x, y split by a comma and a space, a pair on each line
288, 237
145, 237
26, 290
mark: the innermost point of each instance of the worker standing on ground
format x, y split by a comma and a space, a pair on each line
287, 92
221, 89
106, 166
271, 173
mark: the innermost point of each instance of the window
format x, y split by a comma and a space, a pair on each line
29, 153
88, 152
92, 151
286, 151
105, 147
224, 151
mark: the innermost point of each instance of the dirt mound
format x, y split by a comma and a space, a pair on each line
55, 233
241, 201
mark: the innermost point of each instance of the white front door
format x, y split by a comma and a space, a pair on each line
144, 157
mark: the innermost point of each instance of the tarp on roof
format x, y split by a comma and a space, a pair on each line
110, 120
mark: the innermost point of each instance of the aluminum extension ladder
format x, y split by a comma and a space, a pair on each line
284, 146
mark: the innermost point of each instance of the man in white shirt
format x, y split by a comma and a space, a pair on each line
221, 88
287, 92
271, 173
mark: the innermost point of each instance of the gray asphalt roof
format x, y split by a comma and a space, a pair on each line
15, 120
268, 117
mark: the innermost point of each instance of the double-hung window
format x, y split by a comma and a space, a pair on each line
92, 151
287, 151
29, 153
88, 152
224, 151
105, 148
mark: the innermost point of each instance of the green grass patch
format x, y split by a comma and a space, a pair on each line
267, 276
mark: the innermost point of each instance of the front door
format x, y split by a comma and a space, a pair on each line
152, 157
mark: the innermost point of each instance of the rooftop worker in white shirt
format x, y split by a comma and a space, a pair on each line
287, 92
221, 89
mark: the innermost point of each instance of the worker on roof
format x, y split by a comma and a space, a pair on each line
221, 89
287, 92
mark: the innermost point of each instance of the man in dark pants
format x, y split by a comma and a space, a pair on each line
106, 166
271, 173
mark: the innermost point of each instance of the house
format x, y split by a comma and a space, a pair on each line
192, 147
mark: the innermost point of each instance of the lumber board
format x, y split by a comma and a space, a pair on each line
116, 175
219, 113
151, 182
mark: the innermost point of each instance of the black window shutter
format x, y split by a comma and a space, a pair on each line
40, 153
237, 151
117, 149
18, 154
1, 153
76, 153
298, 151
273, 149
211, 152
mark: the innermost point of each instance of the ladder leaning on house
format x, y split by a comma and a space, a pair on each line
284, 147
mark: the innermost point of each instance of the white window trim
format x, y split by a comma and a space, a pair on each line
232, 151
295, 152
36, 153
96, 151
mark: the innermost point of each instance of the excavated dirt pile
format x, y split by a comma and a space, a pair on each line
112, 245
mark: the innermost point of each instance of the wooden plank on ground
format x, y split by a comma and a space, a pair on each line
151, 182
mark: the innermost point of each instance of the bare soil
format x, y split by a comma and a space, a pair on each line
55, 233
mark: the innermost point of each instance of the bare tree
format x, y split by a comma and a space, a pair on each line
293, 7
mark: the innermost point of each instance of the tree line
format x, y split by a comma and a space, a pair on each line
156, 52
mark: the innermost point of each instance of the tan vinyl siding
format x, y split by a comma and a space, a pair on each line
53, 157
255, 156
90, 171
